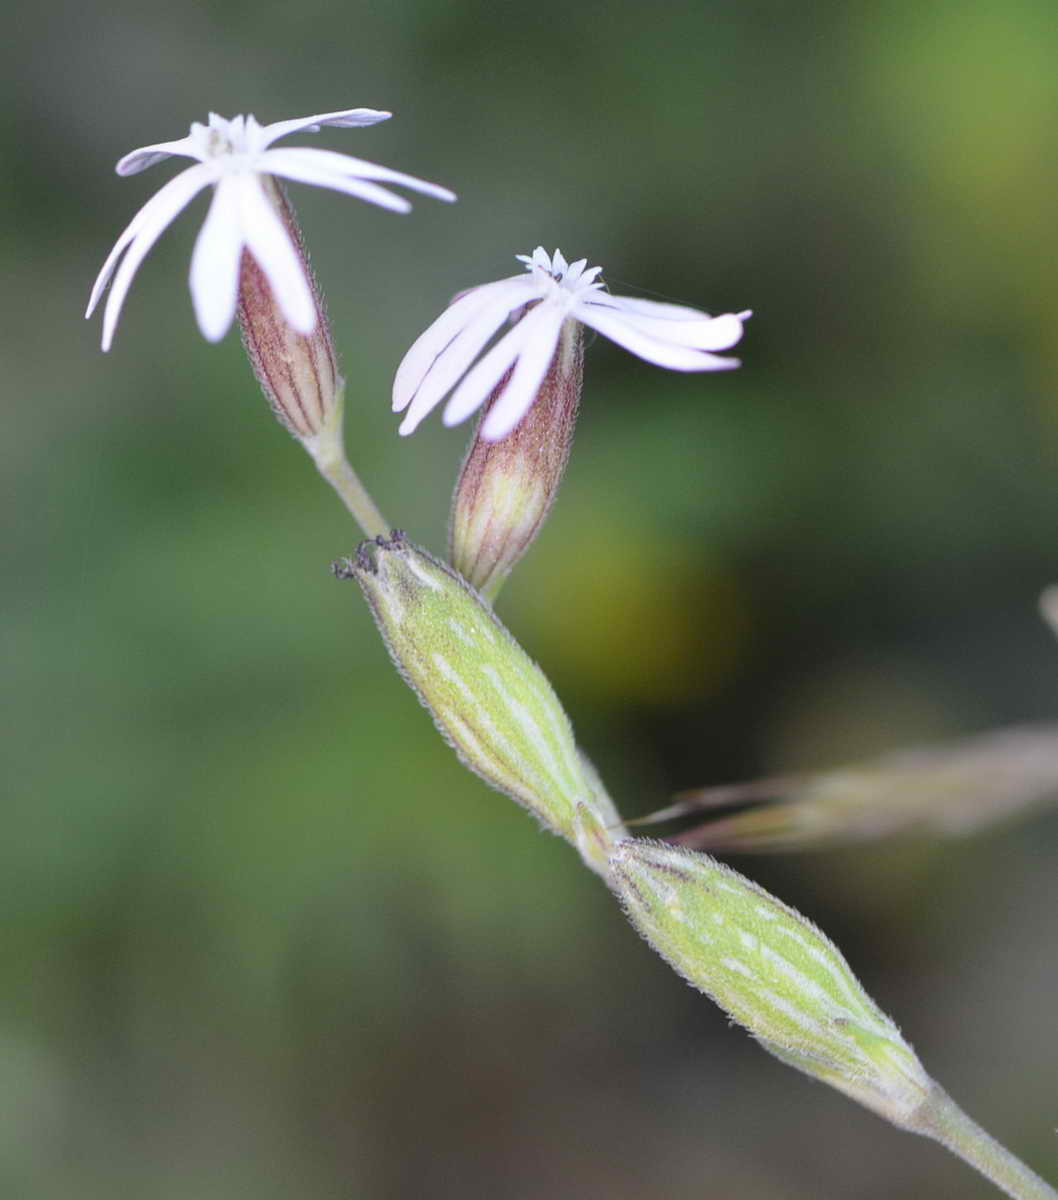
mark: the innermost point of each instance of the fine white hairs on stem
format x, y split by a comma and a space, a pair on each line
450, 358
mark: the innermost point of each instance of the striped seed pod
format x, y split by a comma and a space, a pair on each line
489, 700
772, 971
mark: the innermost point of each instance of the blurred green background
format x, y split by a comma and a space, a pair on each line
262, 935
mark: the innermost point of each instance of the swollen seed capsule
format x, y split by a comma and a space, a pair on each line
489, 700
771, 970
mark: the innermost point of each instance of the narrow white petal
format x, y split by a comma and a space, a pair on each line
429, 344
701, 332
542, 259
273, 161
479, 382
159, 200
620, 329
107, 269
268, 241
215, 262
558, 262
328, 162
147, 226
146, 156
721, 333
347, 118
455, 359
426, 347
656, 308
537, 352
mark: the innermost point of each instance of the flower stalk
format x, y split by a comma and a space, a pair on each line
332, 463
941, 1119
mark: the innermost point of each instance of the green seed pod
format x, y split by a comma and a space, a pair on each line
770, 970
489, 700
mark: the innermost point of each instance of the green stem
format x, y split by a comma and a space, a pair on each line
941, 1118
334, 466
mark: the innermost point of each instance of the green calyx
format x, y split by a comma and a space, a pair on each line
771, 970
488, 698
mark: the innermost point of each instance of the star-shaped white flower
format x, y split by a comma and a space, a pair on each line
233, 156
446, 356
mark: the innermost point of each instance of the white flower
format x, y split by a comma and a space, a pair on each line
233, 156
444, 356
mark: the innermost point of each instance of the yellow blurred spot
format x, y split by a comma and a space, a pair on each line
629, 613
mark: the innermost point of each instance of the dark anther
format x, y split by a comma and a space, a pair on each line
343, 568
395, 541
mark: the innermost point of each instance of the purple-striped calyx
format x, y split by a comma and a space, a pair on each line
506, 488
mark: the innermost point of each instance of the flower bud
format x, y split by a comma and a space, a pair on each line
489, 700
297, 372
506, 488
770, 970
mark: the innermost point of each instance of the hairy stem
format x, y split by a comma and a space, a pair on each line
329, 455
941, 1118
